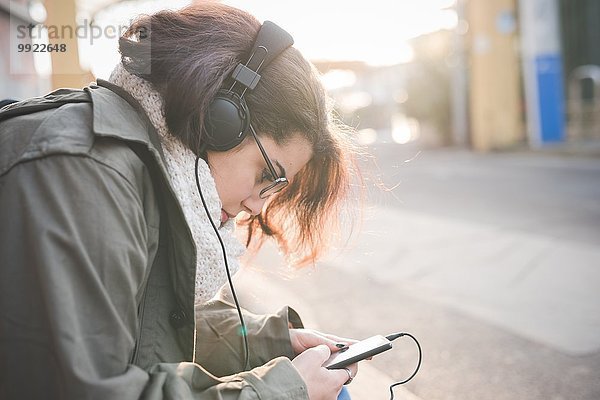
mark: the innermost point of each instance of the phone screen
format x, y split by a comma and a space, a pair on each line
358, 351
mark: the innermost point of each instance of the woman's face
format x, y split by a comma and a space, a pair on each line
240, 174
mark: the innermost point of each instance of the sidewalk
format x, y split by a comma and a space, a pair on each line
582, 148
529, 284
525, 283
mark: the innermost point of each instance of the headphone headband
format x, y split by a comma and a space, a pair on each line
274, 39
228, 116
269, 43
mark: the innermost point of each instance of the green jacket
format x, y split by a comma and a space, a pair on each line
97, 267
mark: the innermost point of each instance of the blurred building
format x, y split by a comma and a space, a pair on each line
525, 73
368, 98
580, 35
532, 70
512, 73
18, 75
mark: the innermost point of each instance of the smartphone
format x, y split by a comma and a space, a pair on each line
358, 351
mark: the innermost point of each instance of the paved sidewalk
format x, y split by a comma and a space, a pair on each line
529, 284
534, 286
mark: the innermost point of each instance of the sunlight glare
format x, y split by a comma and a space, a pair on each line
404, 130
354, 101
102, 56
376, 33
367, 136
42, 61
447, 19
338, 78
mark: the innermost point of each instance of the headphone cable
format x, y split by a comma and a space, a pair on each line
394, 337
244, 330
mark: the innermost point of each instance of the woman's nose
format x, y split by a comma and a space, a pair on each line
254, 204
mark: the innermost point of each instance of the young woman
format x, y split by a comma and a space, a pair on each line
107, 253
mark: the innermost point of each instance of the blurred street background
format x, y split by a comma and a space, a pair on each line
490, 260
480, 232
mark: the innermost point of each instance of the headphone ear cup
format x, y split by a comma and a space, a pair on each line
226, 121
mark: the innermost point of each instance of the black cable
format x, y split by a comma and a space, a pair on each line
235, 299
394, 337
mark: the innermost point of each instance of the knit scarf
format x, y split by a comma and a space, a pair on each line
210, 269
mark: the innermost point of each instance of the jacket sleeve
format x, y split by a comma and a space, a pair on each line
217, 334
74, 252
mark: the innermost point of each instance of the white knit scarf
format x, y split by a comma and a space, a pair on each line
210, 270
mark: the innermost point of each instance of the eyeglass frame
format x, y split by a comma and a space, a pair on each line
278, 180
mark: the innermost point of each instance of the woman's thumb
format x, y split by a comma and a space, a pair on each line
318, 353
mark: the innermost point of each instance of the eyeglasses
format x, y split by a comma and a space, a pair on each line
279, 182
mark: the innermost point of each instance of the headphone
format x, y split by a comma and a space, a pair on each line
228, 117
227, 122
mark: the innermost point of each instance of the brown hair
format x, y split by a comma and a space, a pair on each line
188, 54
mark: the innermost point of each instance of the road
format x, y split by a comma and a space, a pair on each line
491, 260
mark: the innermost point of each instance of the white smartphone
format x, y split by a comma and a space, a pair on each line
358, 351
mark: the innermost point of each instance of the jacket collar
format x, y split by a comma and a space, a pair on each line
117, 114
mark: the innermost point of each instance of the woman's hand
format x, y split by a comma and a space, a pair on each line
322, 383
304, 339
